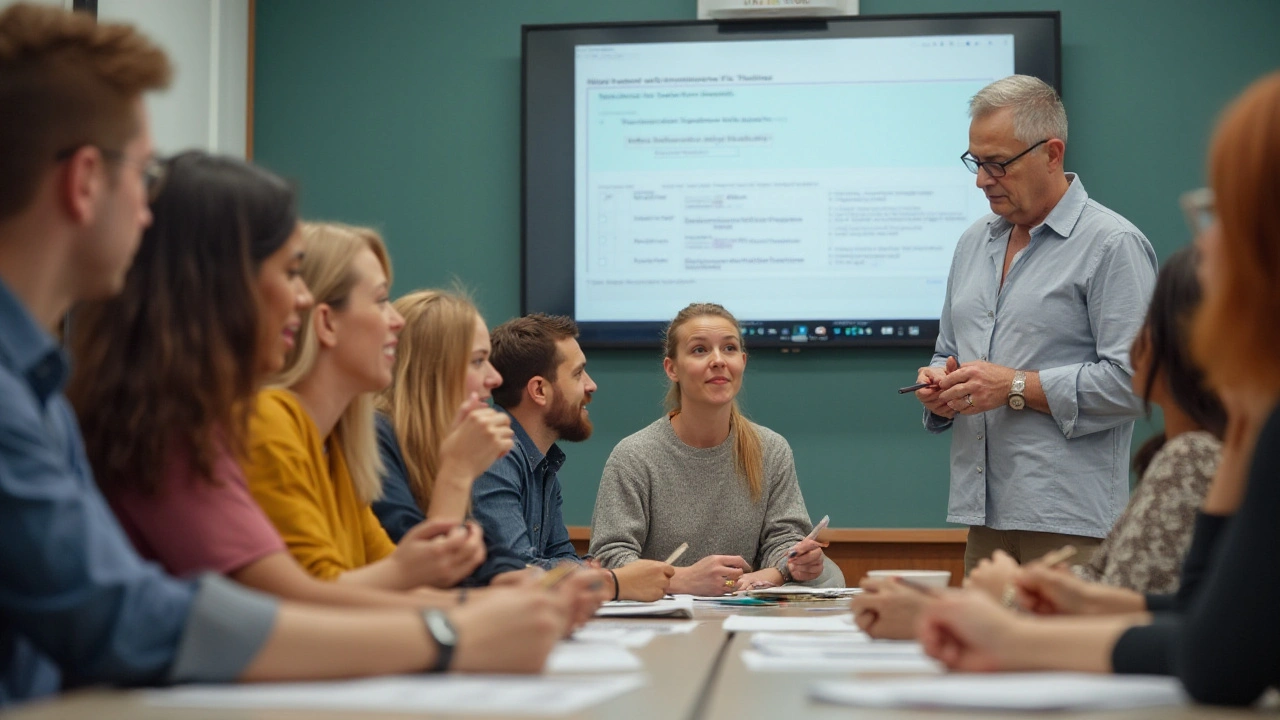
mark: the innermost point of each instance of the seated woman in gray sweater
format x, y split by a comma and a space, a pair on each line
705, 475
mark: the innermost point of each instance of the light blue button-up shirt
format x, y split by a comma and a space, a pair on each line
1071, 305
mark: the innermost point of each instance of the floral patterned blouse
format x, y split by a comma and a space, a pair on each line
1145, 548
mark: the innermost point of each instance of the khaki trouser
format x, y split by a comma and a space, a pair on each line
1023, 545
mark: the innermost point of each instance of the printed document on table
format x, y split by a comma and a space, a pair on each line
619, 637
648, 625
681, 606
785, 592
764, 662
1007, 691
835, 652
833, 645
764, 623
781, 641
491, 694
583, 657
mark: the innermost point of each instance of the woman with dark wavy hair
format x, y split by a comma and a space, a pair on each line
163, 369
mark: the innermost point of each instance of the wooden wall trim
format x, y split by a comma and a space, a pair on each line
854, 535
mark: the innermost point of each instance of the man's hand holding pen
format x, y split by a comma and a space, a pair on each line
976, 388
930, 394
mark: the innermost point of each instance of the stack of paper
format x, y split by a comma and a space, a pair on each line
493, 695
1019, 691
801, 593
668, 607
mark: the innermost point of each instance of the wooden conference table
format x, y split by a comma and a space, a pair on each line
690, 677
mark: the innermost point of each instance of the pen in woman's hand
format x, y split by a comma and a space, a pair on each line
813, 534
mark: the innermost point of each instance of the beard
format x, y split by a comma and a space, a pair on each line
568, 421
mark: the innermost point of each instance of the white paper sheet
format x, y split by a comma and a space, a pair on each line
835, 652
809, 623
668, 607
1014, 691
584, 657
757, 661
768, 640
656, 626
829, 641
479, 694
620, 637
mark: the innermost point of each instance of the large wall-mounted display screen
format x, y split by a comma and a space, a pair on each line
805, 175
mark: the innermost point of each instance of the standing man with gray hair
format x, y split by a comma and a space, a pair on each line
1031, 368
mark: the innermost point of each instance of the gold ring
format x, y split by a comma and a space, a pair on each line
728, 583
969, 399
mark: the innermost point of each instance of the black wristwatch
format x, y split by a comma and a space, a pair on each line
441, 630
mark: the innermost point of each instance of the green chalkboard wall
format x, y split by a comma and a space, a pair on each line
404, 114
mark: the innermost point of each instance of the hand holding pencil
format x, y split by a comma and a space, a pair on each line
647, 580
804, 561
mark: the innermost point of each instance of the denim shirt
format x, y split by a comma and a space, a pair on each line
398, 510
77, 604
1071, 305
517, 501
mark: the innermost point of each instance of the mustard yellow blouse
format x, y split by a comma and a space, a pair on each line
302, 483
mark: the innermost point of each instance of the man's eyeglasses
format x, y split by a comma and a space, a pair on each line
1198, 207
153, 168
993, 168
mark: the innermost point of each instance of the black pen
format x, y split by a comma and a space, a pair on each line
921, 386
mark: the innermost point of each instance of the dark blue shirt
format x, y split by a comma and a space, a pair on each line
77, 604
517, 501
398, 511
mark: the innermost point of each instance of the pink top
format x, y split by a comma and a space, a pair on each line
193, 526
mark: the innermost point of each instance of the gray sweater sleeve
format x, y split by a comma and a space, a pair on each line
618, 523
786, 518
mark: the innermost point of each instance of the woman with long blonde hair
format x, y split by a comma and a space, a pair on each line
313, 462
706, 475
436, 431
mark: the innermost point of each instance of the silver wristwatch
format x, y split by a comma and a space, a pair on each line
446, 638
1017, 400
784, 568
